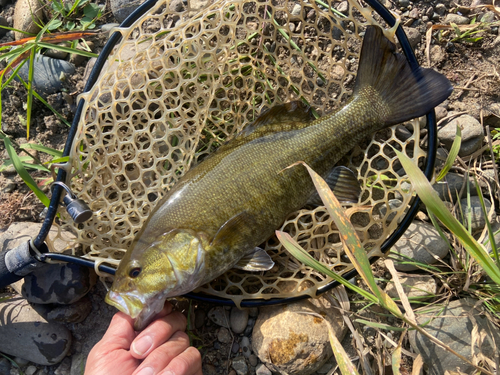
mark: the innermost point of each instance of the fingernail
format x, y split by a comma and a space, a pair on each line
142, 345
146, 371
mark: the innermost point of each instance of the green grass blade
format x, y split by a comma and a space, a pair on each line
41, 148
67, 49
18, 165
452, 156
302, 256
431, 199
29, 104
491, 235
380, 325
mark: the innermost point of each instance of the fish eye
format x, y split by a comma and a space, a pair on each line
134, 272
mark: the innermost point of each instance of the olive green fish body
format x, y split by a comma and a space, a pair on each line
233, 201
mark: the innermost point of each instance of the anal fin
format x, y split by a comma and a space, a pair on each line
344, 184
255, 260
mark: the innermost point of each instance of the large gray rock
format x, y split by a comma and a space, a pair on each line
30, 336
290, 342
472, 134
453, 326
27, 16
416, 287
478, 217
457, 19
449, 188
422, 243
47, 74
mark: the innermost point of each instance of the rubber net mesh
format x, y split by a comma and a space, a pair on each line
179, 84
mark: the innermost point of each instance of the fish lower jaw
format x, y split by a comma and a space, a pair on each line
124, 304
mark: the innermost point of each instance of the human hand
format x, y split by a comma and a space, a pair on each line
161, 348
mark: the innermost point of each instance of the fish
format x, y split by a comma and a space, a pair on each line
222, 209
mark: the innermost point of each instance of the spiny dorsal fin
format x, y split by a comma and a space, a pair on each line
255, 260
344, 184
282, 117
407, 93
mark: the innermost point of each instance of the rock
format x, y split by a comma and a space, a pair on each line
176, 6
469, 147
240, 365
261, 369
4, 366
3, 22
476, 3
78, 361
414, 14
453, 326
47, 74
220, 316
414, 36
393, 205
74, 313
239, 319
478, 220
246, 348
58, 283
56, 54
488, 17
421, 242
437, 54
30, 370
449, 188
343, 7
121, 9
27, 16
441, 113
404, 3
224, 336
455, 18
253, 312
296, 10
495, 227
469, 126
253, 360
30, 336
416, 287
288, 341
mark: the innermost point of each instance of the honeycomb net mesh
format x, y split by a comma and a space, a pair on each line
180, 83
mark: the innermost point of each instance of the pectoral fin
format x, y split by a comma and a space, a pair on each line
255, 260
234, 231
344, 184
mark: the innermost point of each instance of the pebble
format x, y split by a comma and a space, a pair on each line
394, 204
437, 54
30, 336
176, 6
253, 312
261, 369
488, 17
63, 283
246, 348
453, 326
11, 186
224, 336
253, 360
235, 348
478, 220
27, 17
343, 7
288, 341
240, 365
5, 366
297, 8
239, 319
414, 36
404, 3
418, 243
440, 9
47, 72
74, 313
220, 316
441, 113
449, 187
30, 370
416, 287
121, 9
457, 19
414, 14
209, 369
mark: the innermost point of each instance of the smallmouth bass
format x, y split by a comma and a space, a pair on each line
214, 218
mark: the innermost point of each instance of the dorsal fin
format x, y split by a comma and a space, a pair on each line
282, 117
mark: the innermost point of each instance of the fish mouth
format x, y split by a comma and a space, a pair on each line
129, 304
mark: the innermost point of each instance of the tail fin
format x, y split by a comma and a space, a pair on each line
407, 93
